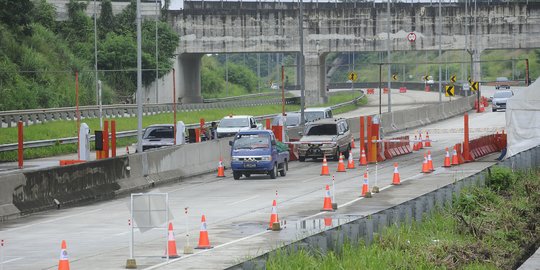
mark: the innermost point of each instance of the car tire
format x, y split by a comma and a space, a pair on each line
273, 173
336, 156
301, 158
346, 154
283, 170
236, 175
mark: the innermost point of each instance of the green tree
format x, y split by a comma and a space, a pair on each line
106, 22
44, 14
242, 76
17, 15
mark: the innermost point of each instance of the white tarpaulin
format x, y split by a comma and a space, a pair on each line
523, 119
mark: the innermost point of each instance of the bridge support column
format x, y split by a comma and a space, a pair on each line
476, 68
315, 76
189, 78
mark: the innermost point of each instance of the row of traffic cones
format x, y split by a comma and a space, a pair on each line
341, 165
419, 143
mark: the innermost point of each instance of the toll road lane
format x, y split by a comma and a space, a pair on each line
96, 233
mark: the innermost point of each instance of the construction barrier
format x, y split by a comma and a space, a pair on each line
394, 149
403, 89
486, 145
385, 90
371, 91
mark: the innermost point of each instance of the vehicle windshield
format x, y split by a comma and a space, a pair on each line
504, 94
325, 129
502, 79
292, 120
312, 116
251, 141
233, 122
159, 133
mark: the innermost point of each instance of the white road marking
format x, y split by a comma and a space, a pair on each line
52, 220
207, 250
12, 260
250, 198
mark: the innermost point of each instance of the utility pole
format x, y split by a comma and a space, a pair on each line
389, 58
440, 52
302, 63
139, 79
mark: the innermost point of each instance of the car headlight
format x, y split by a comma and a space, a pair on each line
235, 159
266, 158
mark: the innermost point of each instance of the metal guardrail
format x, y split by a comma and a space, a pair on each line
132, 133
35, 116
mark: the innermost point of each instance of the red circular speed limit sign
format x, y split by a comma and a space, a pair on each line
411, 37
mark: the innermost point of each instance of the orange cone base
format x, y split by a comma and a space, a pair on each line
63, 265
221, 172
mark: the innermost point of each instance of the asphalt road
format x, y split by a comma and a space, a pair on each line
237, 212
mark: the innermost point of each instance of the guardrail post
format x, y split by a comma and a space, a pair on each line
20, 155
362, 130
113, 138
369, 138
105, 139
466, 151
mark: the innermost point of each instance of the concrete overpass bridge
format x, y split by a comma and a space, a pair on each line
262, 27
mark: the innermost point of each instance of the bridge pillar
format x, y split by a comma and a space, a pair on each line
476, 68
188, 84
315, 76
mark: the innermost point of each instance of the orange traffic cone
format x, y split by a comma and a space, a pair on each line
425, 166
171, 245
63, 263
365, 186
350, 163
324, 169
274, 218
428, 143
327, 206
455, 159
204, 243
415, 144
396, 180
341, 165
420, 144
327, 221
430, 161
363, 159
352, 143
447, 159
220, 169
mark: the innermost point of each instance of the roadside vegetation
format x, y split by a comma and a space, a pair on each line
493, 227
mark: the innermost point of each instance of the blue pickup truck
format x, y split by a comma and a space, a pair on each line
258, 152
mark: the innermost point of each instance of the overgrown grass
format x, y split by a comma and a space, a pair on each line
488, 228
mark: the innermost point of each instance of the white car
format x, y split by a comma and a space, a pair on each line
318, 113
230, 125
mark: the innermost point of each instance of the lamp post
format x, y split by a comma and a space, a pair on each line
98, 95
157, 59
302, 66
139, 79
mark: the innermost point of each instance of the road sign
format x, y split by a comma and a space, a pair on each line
352, 76
394, 77
411, 37
453, 78
475, 86
449, 90
426, 78
469, 79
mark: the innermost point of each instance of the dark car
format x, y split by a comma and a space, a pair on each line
156, 136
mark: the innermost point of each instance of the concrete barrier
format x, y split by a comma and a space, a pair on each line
36, 190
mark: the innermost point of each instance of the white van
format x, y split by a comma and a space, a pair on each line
230, 125
318, 113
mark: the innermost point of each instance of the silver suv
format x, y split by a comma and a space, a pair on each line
156, 136
325, 137
500, 99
